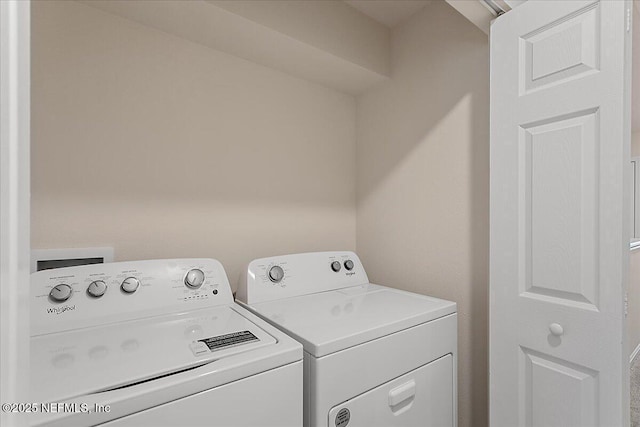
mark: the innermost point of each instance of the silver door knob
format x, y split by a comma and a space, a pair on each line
556, 329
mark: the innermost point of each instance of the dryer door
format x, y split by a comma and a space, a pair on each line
422, 397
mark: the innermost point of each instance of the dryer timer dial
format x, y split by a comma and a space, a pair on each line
276, 273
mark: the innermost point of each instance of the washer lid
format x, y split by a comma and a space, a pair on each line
331, 321
91, 360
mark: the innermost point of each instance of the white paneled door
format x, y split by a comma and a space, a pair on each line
560, 185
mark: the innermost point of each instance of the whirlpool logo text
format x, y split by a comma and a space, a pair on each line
62, 309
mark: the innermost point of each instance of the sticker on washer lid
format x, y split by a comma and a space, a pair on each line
228, 340
343, 417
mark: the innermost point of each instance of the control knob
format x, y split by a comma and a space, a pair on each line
348, 264
61, 292
97, 288
336, 266
276, 273
130, 285
194, 278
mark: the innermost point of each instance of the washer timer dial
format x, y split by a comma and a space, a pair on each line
194, 278
276, 273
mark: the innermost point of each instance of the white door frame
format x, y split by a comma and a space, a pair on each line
15, 214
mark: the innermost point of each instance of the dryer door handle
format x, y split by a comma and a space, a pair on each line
401, 393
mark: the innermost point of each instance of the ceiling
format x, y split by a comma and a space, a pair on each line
388, 12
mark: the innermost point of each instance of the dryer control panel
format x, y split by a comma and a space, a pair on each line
77, 297
286, 276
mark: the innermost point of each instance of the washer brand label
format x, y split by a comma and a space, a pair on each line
229, 340
343, 417
61, 309
350, 273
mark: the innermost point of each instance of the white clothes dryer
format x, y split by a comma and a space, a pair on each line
373, 355
156, 343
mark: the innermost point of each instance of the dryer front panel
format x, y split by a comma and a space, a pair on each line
422, 397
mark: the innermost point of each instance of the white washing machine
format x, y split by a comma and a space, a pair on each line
156, 343
373, 356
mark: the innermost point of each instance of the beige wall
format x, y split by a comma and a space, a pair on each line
423, 181
635, 144
161, 147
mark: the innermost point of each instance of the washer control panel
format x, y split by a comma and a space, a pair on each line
90, 295
286, 276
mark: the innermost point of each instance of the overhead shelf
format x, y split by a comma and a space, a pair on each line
251, 32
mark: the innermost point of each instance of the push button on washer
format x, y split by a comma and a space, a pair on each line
199, 348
